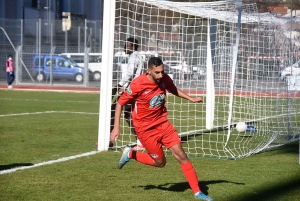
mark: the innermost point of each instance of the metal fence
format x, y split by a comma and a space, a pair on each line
27, 39
30, 39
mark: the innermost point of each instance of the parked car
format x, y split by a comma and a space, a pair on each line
179, 69
293, 70
62, 68
199, 71
95, 62
120, 65
121, 62
171, 72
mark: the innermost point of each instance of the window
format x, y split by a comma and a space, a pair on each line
34, 3
95, 59
48, 62
78, 58
125, 60
63, 63
36, 63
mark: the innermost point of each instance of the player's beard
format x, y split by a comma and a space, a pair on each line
158, 80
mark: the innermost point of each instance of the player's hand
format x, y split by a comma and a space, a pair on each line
122, 90
197, 100
114, 135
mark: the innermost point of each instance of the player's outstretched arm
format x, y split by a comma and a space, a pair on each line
115, 133
182, 94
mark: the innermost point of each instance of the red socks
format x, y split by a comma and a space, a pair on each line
141, 157
187, 168
191, 176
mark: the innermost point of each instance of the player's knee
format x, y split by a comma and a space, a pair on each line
160, 163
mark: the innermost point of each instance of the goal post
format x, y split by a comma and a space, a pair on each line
234, 66
225, 52
106, 75
210, 89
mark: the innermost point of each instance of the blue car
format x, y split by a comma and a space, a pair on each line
62, 68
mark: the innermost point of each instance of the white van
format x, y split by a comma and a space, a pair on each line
95, 62
176, 68
121, 61
180, 69
293, 70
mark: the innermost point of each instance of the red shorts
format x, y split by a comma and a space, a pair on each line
154, 137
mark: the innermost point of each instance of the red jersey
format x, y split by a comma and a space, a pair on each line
149, 100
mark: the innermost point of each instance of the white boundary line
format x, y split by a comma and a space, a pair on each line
46, 112
49, 162
37, 100
52, 90
52, 161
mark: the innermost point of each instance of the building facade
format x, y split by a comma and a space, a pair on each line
34, 9
24, 21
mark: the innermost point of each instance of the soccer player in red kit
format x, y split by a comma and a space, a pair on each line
148, 92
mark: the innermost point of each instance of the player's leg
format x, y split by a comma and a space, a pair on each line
114, 97
12, 78
128, 118
112, 115
186, 167
7, 78
144, 158
151, 140
173, 143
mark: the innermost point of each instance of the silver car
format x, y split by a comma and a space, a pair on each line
293, 70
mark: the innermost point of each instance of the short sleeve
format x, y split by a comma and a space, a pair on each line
131, 92
169, 84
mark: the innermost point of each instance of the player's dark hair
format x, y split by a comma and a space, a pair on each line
134, 42
9, 56
154, 61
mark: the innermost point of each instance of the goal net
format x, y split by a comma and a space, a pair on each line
225, 52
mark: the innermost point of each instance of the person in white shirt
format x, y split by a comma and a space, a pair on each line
135, 65
135, 68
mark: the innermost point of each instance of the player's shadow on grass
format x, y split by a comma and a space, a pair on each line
14, 165
182, 186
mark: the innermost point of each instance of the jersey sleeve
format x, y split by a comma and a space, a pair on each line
129, 73
131, 92
170, 87
140, 66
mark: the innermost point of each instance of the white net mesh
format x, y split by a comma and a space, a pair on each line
252, 91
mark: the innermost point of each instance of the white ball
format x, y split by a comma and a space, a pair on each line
241, 127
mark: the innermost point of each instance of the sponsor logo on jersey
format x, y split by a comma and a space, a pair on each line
154, 155
129, 90
157, 100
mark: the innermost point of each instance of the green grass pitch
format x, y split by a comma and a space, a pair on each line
37, 127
